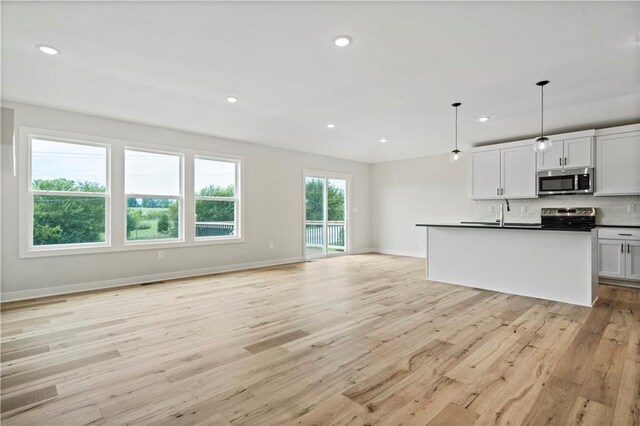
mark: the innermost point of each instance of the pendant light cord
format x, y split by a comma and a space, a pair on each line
456, 128
542, 113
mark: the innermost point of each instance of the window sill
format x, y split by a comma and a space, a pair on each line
129, 246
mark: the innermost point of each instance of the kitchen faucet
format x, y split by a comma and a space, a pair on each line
502, 210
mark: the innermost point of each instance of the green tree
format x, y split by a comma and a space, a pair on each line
315, 201
59, 219
134, 217
163, 224
216, 211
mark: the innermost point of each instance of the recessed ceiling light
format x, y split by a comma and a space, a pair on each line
483, 119
49, 50
383, 140
342, 41
331, 126
232, 99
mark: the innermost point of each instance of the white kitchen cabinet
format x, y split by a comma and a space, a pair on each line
485, 175
618, 164
505, 172
578, 152
518, 172
611, 258
619, 253
552, 159
633, 260
568, 152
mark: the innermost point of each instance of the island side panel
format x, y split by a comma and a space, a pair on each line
552, 265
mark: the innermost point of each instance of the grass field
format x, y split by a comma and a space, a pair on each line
150, 219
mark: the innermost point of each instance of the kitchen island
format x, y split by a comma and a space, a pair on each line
559, 265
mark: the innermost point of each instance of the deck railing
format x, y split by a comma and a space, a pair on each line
314, 233
214, 229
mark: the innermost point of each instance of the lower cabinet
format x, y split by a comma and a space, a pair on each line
633, 260
619, 258
611, 258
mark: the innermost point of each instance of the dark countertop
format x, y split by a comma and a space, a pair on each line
532, 227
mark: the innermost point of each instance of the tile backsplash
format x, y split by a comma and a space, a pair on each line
623, 210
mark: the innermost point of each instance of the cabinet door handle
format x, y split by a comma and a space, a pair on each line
622, 248
565, 161
626, 235
559, 161
628, 248
497, 191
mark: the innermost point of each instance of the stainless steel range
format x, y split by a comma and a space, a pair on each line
576, 218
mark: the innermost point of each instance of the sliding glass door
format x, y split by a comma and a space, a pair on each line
326, 218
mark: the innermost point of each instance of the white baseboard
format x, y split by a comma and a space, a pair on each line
400, 252
363, 251
141, 279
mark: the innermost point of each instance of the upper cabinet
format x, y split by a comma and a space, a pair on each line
570, 150
618, 161
505, 172
518, 172
485, 174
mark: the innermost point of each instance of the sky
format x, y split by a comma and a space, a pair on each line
145, 172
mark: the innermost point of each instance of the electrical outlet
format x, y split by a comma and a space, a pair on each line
490, 209
160, 255
523, 209
271, 245
631, 208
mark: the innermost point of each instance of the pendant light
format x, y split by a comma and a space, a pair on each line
456, 154
543, 143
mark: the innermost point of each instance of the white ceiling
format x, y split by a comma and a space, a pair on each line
173, 64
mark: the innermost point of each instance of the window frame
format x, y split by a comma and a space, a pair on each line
32, 193
237, 198
180, 198
116, 222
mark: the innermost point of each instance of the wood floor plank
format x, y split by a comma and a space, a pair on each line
275, 341
28, 398
627, 405
17, 379
10, 356
349, 341
454, 415
554, 404
587, 412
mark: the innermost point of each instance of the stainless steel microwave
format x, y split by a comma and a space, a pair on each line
565, 181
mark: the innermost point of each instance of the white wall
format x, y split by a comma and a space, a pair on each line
273, 206
403, 193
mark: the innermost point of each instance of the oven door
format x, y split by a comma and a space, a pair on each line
555, 182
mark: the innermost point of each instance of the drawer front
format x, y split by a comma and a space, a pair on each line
619, 233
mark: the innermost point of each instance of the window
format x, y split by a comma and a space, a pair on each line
153, 192
69, 194
173, 198
216, 198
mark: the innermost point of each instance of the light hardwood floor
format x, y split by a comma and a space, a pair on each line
352, 340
